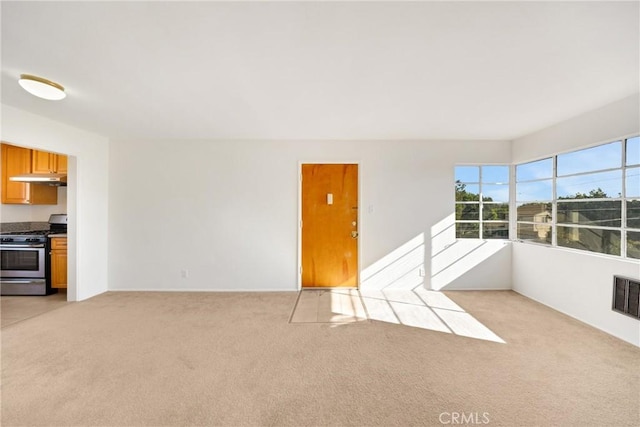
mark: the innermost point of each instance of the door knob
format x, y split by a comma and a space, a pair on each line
354, 234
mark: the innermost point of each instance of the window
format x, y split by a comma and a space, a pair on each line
482, 201
534, 197
587, 199
632, 197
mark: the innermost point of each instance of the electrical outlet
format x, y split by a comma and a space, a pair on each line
184, 273
422, 273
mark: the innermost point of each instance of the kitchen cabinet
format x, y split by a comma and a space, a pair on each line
62, 163
17, 161
59, 262
45, 162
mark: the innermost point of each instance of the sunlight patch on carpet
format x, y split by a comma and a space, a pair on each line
417, 307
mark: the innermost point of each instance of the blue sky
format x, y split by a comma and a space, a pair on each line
633, 151
490, 174
535, 170
607, 156
610, 182
633, 182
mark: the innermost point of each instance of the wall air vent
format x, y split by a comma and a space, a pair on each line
626, 296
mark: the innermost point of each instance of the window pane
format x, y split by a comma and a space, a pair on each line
535, 170
540, 233
605, 213
467, 173
633, 182
495, 193
468, 211
532, 191
467, 230
491, 197
607, 156
495, 230
495, 211
633, 151
590, 186
495, 174
467, 192
534, 212
590, 239
633, 244
633, 214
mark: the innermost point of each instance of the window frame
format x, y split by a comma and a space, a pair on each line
481, 203
516, 202
623, 230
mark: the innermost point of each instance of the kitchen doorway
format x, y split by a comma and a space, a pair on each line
329, 224
34, 228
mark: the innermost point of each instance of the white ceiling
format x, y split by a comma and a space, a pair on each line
332, 70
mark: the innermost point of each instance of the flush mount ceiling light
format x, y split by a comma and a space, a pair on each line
42, 88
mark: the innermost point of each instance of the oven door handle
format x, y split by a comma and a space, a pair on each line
21, 282
35, 246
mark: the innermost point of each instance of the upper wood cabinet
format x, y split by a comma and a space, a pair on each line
44, 162
17, 161
62, 163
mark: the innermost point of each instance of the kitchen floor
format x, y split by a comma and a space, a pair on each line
14, 309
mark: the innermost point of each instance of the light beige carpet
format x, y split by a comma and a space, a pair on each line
130, 359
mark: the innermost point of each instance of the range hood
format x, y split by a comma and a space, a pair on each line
55, 179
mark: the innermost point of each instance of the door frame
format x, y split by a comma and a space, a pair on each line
359, 220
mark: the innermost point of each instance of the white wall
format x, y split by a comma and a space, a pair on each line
29, 213
577, 283
471, 264
87, 193
602, 125
227, 211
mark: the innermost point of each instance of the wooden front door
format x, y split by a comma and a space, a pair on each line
329, 225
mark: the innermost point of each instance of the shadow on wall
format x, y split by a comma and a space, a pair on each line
392, 290
402, 268
452, 260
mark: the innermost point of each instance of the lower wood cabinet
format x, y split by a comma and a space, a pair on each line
59, 262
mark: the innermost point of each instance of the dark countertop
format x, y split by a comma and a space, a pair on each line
7, 227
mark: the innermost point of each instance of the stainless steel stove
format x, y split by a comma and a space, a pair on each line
24, 259
31, 235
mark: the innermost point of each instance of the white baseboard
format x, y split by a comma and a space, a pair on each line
586, 322
470, 289
200, 290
